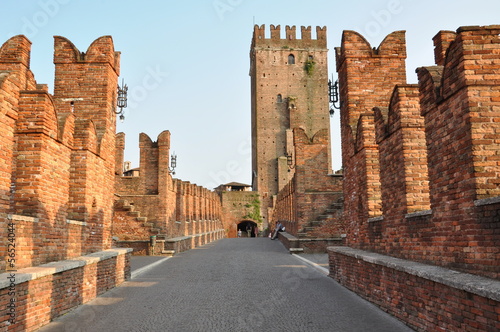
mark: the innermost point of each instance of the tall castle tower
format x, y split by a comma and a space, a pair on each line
289, 79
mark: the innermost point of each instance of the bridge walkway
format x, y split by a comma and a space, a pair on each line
242, 284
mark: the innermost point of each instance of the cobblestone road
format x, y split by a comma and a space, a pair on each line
229, 285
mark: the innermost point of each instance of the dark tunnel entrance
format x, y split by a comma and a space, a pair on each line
247, 228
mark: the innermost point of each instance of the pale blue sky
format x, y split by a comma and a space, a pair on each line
186, 62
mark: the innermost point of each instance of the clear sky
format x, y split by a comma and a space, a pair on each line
187, 62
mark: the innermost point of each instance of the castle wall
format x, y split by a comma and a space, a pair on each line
421, 178
59, 169
462, 133
57, 161
312, 190
239, 206
156, 204
366, 79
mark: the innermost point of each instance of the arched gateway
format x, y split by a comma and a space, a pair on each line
248, 228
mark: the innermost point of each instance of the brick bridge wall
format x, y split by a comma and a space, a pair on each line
57, 165
421, 172
163, 206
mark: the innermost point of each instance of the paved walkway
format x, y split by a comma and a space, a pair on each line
229, 285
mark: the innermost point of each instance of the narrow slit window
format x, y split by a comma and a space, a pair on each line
279, 98
291, 59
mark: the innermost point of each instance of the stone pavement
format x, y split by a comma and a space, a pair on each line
229, 285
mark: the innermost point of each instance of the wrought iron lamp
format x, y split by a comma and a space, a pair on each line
122, 100
173, 163
333, 94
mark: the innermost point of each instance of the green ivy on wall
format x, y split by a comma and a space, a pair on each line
254, 210
309, 67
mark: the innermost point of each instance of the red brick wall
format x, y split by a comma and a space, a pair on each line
403, 171
119, 154
57, 165
90, 79
462, 126
9, 96
442, 160
366, 78
423, 304
312, 190
435, 150
58, 162
286, 207
42, 299
236, 208
173, 207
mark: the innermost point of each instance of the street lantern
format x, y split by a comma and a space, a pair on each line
333, 94
121, 101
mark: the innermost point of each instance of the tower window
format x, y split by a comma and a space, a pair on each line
291, 59
279, 98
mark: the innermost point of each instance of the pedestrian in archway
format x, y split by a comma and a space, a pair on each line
249, 230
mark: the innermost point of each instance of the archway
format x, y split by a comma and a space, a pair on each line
248, 228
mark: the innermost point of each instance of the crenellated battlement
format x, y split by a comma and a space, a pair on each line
421, 173
422, 151
16, 50
15, 56
470, 47
290, 38
176, 207
354, 45
100, 51
55, 154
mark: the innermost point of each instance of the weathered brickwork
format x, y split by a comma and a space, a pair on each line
60, 158
57, 165
51, 290
237, 207
367, 78
289, 83
424, 304
291, 130
421, 173
312, 189
156, 204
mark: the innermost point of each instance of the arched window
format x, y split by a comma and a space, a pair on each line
279, 98
291, 59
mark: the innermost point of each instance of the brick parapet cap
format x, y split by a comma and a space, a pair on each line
188, 237
485, 287
416, 214
487, 201
18, 217
478, 27
33, 273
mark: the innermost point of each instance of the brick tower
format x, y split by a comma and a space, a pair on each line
289, 79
